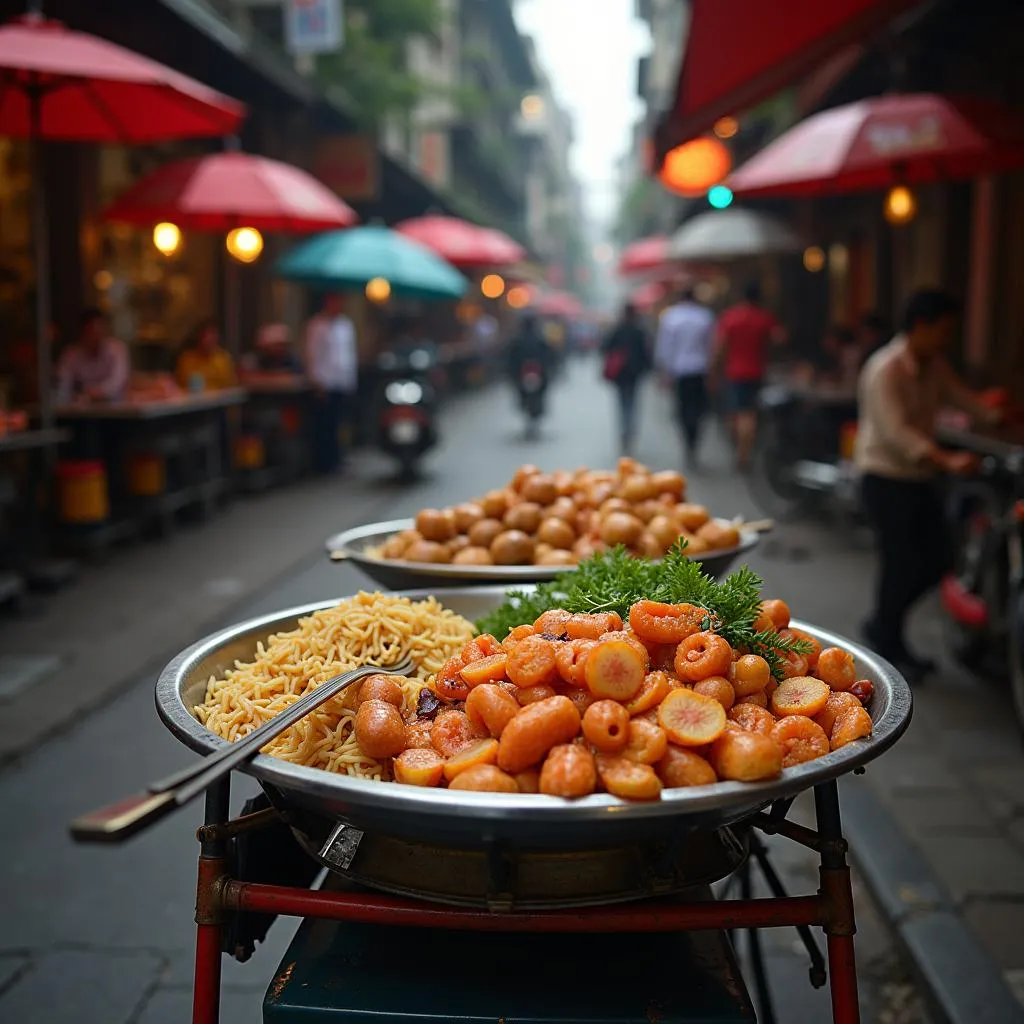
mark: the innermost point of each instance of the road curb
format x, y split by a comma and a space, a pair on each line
962, 983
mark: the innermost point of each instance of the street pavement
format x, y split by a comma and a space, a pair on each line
104, 935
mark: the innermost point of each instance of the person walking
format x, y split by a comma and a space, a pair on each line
332, 368
741, 356
682, 354
627, 358
902, 387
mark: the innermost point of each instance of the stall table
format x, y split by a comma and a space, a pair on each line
190, 433
21, 546
276, 413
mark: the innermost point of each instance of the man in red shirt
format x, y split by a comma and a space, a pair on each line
744, 333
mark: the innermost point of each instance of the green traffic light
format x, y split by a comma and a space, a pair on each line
719, 196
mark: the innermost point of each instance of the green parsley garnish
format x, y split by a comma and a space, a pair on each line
615, 581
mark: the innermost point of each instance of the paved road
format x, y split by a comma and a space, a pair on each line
103, 936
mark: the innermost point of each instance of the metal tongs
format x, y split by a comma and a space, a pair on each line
121, 820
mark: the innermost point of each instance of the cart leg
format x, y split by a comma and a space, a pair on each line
209, 916
765, 1012
837, 891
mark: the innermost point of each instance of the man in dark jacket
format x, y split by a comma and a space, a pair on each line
626, 359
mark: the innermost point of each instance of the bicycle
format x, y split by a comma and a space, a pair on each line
983, 595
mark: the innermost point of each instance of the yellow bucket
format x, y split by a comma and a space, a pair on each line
847, 441
147, 476
249, 452
83, 492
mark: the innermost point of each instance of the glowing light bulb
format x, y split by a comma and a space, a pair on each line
492, 286
245, 244
378, 289
167, 238
900, 205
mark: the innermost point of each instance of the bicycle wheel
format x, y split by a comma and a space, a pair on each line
770, 480
1016, 625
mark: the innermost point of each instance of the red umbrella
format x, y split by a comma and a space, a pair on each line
222, 191
463, 244
646, 254
889, 140
61, 84
64, 85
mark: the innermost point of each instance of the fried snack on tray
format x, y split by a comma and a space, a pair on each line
561, 518
567, 703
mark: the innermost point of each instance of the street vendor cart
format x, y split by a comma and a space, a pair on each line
442, 905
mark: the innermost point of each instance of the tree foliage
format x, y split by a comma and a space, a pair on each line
371, 66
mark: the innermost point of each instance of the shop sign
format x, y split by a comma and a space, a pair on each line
349, 166
313, 26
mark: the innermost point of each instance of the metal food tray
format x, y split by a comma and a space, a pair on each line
353, 545
526, 821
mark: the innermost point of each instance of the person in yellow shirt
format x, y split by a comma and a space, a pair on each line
204, 365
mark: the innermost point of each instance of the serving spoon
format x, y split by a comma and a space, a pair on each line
119, 821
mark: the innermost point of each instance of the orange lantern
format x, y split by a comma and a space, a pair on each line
692, 168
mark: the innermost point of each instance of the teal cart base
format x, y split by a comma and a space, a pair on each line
339, 972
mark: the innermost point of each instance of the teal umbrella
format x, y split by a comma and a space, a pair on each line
351, 258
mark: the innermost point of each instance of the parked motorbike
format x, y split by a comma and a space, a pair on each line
802, 462
983, 595
406, 417
532, 388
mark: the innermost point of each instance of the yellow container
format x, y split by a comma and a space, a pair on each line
847, 441
249, 452
83, 492
147, 476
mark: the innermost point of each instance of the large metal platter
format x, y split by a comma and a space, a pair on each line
518, 821
353, 545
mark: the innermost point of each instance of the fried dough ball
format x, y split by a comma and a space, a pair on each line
473, 555
621, 528
718, 535
427, 551
540, 488
436, 525
495, 504
513, 547
483, 533
467, 515
556, 556
556, 532
525, 516
691, 517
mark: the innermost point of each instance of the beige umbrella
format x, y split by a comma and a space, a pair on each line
731, 234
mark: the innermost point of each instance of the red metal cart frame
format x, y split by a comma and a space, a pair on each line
219, 897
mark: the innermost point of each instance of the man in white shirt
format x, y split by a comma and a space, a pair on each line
96, 368
682, 353
902, 388
332, 365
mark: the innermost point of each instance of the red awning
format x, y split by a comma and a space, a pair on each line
738, 52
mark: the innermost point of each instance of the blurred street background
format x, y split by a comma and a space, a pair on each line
273, 269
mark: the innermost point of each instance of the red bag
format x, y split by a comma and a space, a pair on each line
614, 364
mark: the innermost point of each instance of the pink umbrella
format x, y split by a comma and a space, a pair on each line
461, 243
222, 191
70, 86
558, 304
646, 254
885, 141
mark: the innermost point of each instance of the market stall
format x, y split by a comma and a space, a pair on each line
24, 457
138, 462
